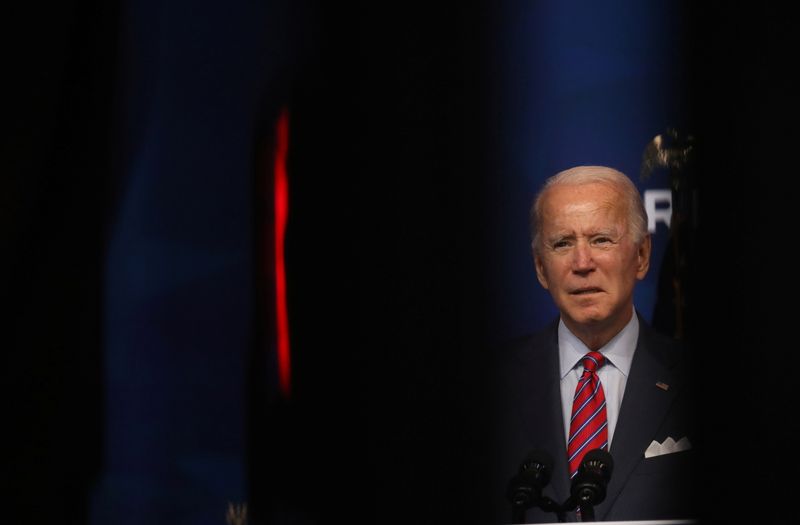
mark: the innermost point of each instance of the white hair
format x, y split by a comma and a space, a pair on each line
581, 175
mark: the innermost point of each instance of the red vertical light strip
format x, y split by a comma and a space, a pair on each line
281, 195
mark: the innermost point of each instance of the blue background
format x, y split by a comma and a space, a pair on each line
137, 370
576, 83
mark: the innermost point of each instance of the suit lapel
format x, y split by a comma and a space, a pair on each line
643, 409
544, 421
644, 406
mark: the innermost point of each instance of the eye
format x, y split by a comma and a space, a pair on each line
602, 241
560, 244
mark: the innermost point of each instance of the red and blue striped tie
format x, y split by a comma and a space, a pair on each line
588, 428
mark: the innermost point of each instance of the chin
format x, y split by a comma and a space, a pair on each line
590, 318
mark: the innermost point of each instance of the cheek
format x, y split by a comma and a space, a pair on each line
628, 272
556, 269
616, 272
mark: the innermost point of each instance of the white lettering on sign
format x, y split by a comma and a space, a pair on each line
658, 205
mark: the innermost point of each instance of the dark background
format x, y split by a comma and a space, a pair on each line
389, 170
56, 157
746, 116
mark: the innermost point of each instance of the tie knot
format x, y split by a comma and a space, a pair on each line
592, 361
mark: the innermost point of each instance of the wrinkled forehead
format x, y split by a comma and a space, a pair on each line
587, 202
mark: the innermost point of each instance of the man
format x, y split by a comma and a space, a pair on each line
590, 247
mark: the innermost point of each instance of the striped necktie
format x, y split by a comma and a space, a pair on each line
588, 428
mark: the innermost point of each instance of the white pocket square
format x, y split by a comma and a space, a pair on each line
669, 446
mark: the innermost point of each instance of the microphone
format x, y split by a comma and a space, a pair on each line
525, 488
589, 484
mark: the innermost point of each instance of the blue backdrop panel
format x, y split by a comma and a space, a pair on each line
193, 79
575, 83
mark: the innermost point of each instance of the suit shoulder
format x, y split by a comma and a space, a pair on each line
673, 354
524, 347
662, 343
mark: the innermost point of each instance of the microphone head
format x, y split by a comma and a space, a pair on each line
589, 484
538, 464
525, 488
600, 462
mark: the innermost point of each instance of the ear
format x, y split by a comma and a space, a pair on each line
643, 257
540, 272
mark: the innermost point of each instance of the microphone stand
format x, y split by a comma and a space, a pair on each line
587, 512
588, 487
546, 504
549, 505
518, 513
584, 505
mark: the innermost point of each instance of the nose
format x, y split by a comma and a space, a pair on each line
582, 261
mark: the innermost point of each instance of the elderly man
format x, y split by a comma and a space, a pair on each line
597, 378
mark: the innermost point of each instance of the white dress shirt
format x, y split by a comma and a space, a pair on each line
613, 375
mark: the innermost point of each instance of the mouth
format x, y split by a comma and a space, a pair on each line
586, 291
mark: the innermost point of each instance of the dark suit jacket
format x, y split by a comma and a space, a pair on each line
529, 416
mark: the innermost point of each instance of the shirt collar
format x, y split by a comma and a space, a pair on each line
618, 351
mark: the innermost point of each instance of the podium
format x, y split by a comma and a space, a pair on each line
636, 522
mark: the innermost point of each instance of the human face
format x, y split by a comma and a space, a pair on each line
587, 258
